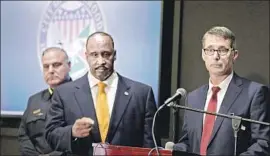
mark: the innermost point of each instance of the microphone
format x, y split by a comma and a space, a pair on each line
169, 145
181, 92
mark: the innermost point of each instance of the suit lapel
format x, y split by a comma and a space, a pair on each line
200, 105
85, 101
232, 93
120, 104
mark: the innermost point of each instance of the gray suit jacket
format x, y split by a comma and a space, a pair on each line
243, 98
130, 123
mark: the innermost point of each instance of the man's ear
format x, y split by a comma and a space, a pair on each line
86, 54
69, 63
203, 55
235, 55
114, 55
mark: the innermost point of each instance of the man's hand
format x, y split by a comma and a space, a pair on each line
82, 127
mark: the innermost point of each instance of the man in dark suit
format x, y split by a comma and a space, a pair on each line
226, 93
100, 107
56, 67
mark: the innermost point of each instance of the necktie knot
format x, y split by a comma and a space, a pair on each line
101, 86
215, 90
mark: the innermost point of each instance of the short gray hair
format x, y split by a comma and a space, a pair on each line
56, 49
222, 32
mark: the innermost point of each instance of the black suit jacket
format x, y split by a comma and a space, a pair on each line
244, 98
130, 123
31, 134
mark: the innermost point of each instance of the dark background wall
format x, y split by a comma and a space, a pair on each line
249, 20
183, 26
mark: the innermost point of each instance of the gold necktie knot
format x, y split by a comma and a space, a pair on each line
101, 87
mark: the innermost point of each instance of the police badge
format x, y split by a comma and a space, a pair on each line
68, 24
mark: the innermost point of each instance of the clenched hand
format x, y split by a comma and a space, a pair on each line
82, 127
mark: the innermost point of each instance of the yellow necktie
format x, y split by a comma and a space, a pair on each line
102, 111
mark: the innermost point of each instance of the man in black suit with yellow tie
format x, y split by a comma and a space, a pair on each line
100, 107
56, 67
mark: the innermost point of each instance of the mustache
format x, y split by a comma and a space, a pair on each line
101, 67
51, 76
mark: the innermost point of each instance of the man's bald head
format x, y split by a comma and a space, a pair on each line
95, 34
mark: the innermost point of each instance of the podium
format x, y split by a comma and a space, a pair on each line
112, 150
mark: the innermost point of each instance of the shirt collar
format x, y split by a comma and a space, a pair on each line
110, 81
50, 91
223, 85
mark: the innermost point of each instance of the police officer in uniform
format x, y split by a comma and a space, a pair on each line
56, 67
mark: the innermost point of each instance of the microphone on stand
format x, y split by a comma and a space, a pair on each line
181, 92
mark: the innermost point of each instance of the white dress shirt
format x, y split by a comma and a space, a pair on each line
110, 89
220, 95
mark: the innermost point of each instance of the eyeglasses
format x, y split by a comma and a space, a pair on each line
221, 52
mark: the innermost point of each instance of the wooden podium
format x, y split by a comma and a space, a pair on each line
111, 150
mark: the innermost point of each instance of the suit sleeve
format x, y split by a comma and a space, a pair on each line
260, 134
148, 120
57, 133
183, 144
25, 144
